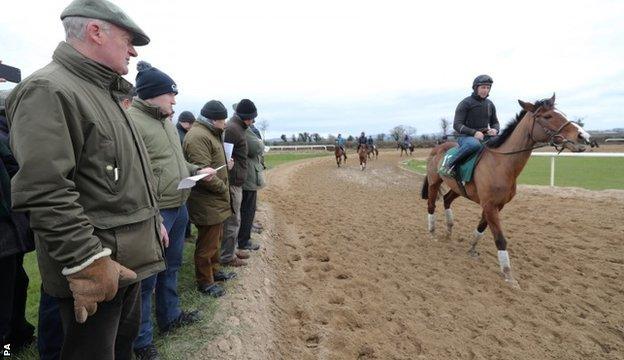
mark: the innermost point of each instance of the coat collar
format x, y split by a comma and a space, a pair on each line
89, 70
149, 109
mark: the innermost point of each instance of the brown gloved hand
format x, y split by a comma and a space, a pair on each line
95, 283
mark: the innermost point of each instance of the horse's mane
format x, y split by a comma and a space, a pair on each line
511, 126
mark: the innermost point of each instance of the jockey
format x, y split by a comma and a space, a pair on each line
370, 142
361, 140
406, 141
475, 117
340, 141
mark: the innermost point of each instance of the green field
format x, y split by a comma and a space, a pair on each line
589, 173
275, 158
186, 340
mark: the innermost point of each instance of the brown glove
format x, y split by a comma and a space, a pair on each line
96, 283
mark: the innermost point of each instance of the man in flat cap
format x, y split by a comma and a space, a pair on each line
85, 179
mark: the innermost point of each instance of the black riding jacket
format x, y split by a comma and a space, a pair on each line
475, 114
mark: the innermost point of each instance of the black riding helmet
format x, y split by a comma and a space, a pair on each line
482, 80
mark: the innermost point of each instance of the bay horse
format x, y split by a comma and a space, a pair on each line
496, 173
372, 151
339, 155
362, 154
404, 147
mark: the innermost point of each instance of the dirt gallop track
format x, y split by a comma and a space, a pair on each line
356, 275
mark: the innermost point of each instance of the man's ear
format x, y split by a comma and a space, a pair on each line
94, 32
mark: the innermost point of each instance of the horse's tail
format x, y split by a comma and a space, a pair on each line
424, 192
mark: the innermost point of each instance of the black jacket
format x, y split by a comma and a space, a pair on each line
475, 114
15, 234
235, 134
362, 140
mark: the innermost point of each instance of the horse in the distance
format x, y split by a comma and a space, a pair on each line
362, 154
372, 151
405, 147
340, 155
495, 175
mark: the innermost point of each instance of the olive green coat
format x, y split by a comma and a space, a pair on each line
166, 158
255, 171
209, 203
84, 171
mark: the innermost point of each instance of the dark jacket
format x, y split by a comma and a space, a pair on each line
209, 203
181, 132
84, 170
15, 234
255, 170
362, 140
475, 114
235, 134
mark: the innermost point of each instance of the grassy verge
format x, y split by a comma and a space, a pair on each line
273, 159
185, 341
588, 173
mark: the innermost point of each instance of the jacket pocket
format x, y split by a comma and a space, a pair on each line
137, 245
259, 174
108, 162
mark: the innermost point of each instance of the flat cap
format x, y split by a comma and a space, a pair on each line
109, 12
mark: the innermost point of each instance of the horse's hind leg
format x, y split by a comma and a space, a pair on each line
478, 234
448, 199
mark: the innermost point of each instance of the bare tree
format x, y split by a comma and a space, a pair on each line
263, 125
294, 138
580, 121
381, 137
284, 138
410, 130
444, 124
316, 137
397, 132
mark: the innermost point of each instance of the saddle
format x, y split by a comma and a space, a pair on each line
464, 170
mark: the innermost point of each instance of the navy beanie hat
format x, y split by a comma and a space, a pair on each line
151, 82
246, 110
214, 110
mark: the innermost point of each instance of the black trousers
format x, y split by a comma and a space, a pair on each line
248, 213
106, 335
14, 329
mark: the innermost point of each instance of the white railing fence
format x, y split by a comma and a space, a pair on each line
553, 155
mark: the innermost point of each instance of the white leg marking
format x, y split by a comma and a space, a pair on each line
431, 222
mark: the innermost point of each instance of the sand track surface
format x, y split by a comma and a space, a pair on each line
349, 271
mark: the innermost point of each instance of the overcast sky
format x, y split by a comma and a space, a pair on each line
350, 66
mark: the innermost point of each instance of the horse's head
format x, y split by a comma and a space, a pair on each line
554, 128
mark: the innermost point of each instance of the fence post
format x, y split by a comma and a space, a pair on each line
552, 171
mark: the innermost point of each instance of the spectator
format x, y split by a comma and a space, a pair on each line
235, 129
16, 239
90, 199
150, 113
209, 203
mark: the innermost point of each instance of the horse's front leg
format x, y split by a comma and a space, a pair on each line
478, 234
492, 218
448, 200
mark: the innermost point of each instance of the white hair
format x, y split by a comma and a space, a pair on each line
75, 26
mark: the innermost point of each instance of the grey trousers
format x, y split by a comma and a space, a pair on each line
231, 226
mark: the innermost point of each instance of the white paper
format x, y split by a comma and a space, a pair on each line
190, 181
228, 150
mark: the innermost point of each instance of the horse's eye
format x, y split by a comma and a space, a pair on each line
547, 116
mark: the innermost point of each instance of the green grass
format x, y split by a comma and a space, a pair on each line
185, 341
273, 159
589, 173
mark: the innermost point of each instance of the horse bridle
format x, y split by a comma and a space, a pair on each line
553, 135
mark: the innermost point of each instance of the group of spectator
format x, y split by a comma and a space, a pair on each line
89, 177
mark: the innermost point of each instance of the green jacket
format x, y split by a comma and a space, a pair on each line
209, 203
255, 170
84, 171
165, 153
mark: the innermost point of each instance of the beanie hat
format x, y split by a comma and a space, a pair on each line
186, 116
151, 82
246, 109
214, 110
